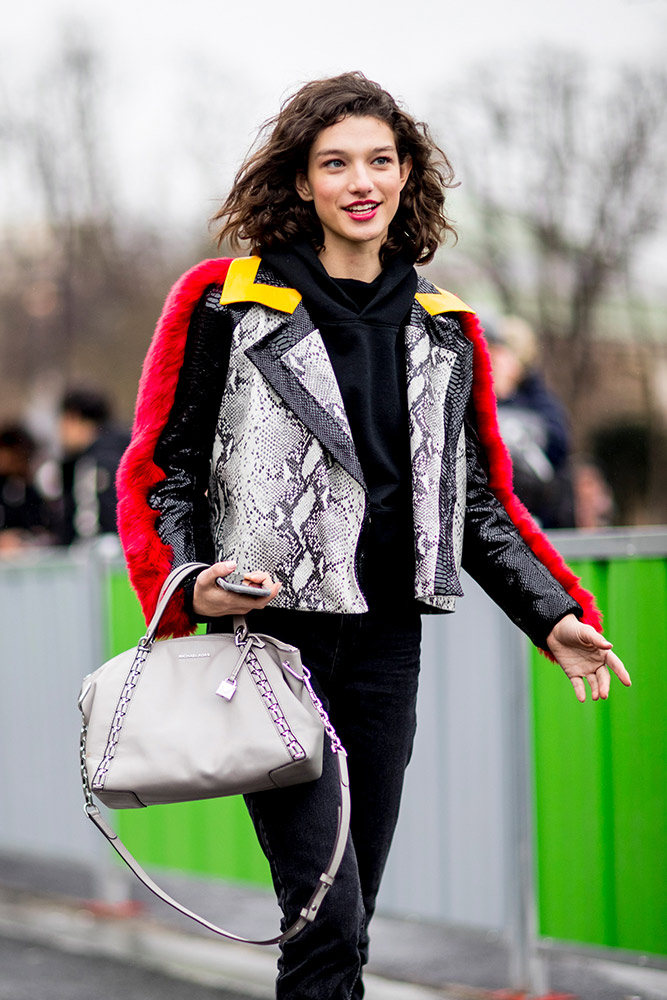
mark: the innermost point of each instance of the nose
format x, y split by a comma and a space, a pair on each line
360, 179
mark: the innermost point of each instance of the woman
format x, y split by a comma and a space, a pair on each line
322, 416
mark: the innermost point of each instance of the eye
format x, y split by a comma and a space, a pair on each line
382, 161
333, 163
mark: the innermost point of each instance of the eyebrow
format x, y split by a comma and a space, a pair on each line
342, 152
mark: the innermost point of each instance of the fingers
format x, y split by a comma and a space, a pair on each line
257, 576
591, 637
593, 685
599, 683
207, 577
219, 569
258, 579
262, 579
587, 658
579, 688
212, 601
604, 681
242, 605
616, 664
599, 680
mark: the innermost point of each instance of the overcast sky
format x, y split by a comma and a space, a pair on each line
166, 63
407, 44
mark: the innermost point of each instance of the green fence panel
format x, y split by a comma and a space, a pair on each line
638, 754
600, 772
213, 837
571, 787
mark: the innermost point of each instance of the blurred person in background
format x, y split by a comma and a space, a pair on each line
533, 424
91, 450
593, 497
24, 514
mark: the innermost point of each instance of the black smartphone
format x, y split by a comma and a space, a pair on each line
247, 589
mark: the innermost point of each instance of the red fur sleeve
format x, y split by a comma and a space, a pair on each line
500, 477
149, 560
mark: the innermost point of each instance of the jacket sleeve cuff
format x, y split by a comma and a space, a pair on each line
540, 636
188, 604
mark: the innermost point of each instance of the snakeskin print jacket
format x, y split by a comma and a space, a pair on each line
259, 465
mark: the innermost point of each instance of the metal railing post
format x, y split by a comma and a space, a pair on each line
112, 882
527, 969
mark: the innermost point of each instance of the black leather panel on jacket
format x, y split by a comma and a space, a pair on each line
184, 448
501, 562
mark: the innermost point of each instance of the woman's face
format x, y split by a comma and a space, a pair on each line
354, 179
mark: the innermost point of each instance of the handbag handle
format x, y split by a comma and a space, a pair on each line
167, 591
325, 881
178, 576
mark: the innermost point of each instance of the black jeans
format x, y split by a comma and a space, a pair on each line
365, 668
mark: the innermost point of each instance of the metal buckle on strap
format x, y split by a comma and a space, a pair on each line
309, 912
241, 635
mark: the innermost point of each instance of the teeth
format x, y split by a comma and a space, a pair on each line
362, 209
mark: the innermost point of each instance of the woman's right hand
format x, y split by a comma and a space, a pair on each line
211, 601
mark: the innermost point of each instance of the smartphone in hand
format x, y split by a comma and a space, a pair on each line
246, 589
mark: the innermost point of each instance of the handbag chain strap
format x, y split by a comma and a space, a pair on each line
325, 881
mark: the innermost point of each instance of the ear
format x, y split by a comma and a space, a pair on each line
406, 167
303, 187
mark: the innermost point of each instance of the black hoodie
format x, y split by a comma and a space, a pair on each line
361, 324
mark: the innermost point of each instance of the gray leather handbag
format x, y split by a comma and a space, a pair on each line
203, 717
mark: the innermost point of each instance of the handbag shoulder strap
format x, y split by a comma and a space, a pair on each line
325, 881
309, 911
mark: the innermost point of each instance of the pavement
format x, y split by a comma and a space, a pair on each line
33, 970
58, 942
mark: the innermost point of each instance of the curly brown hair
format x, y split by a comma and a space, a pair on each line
264, 208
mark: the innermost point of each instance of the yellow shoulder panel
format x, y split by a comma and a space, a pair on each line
441, 302
240, 286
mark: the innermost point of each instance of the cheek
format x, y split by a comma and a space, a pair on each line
398, 186
325, 192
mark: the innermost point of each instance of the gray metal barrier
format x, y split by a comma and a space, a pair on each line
463, 848
455, 853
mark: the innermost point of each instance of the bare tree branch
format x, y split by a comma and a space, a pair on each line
566, 170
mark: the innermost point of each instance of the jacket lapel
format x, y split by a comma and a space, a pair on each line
294, 361
291, 355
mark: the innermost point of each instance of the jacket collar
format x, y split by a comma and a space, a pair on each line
292, 357
241, 285
438, 302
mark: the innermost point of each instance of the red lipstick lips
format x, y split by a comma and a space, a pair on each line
362, 209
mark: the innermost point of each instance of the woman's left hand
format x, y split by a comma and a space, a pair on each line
584, 654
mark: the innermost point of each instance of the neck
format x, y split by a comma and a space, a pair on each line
361, 262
